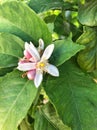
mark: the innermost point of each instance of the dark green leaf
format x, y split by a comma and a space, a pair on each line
16, 97
64, 50
61, 26
65, 24
74, 94
43, 5
17, 18
87, 58
3, 71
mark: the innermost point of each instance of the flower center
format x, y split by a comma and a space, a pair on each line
41, 65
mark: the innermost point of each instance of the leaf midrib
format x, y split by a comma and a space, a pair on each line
10, 55
45, 116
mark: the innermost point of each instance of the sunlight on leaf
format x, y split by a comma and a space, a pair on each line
87, 58
87, 13
17, 18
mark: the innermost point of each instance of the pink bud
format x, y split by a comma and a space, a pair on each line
31, 74
27, 54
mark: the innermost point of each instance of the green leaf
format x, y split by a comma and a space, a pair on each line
40, 6
74, 95
3, 71
47, 119
41, 123
64, 50
87, 58
11, 45
44, 5
17, 18
25, 125
61, 26
11, 49
87, 13
16, 97
68, 23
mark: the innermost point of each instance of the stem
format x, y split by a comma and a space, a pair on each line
37, 97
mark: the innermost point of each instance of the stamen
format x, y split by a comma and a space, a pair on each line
24, 75
42, 64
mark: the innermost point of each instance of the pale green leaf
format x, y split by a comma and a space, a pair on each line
74, 95
16, 97
11, 49
87, 58
41, 123
17, 18
49, 116
46, 118
25, 125
88, 13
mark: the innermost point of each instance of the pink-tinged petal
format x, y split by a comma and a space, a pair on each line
41, 44
32, 50
47, 52
31, 74
27, 54
52, 70
38, 78
26, 66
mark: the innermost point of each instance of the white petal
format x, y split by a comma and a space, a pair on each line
26, 46
51, 69
32, 50
26, 66
38, 78
47, 52
41, 44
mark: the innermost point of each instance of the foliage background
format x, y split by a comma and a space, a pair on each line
68, 102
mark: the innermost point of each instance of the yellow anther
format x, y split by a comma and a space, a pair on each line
42, 64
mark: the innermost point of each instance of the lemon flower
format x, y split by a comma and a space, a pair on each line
34, 64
